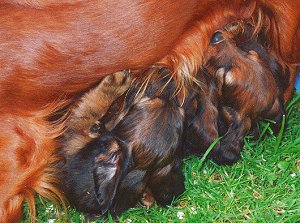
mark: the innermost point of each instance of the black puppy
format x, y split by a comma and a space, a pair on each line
90, 175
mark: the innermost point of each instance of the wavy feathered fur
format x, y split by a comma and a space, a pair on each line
27, 145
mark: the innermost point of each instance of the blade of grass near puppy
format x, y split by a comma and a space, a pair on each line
280, 135
209, 150
266, 126
293, 102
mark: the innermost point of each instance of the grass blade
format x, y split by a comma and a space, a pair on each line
280, 135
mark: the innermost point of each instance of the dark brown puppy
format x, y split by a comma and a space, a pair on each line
137, 141
249, 87
202, 115
150, 123
82, 150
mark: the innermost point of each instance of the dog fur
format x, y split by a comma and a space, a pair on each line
246, 84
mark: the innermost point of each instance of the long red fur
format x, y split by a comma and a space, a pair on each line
52, 49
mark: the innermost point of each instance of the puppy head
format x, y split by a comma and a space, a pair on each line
244, 75
221, 57
153, 129
109, 167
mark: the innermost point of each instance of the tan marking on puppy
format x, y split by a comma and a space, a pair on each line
229, 78
147, 199
253, 56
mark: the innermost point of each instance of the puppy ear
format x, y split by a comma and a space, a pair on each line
108, 169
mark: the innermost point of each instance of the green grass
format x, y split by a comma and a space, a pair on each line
263, 187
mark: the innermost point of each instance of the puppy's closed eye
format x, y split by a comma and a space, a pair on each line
217, 38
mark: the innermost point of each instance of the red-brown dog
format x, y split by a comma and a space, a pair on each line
54, 49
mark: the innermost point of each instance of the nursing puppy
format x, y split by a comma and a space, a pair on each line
249, 86
132, 149
80, 131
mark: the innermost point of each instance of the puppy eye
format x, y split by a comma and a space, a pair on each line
97, 128
217, 38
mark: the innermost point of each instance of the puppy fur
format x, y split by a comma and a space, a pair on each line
249, 88
136, 140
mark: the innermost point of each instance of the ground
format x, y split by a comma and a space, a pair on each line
264, 186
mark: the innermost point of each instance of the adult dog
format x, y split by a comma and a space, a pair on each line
51, 51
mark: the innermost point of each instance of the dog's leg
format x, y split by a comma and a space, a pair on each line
96, 102
232, 142
167, 183
276, 114
147, 199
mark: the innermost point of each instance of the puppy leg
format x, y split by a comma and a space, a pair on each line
97, 101
147, 198
167, 183
232, 142
276, 114
83, 124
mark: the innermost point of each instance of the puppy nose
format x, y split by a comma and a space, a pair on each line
217, 38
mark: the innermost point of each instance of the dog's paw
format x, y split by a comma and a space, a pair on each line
226, 154
147, 199
118, 81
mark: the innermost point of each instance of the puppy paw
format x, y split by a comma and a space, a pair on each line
147, 199
226, 154
118, 82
